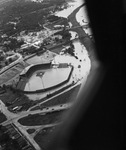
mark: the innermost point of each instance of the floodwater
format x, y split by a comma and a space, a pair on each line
73, 35
72, 6
80, 50
82, 16
83, 58
83, 19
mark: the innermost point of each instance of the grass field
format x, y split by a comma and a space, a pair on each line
2, 117
37, 119
11, 100
44, 137
61, 99
30, 131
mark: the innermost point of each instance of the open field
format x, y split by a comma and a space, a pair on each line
39, 119
12, 100
44, 137
61, 99
57, 49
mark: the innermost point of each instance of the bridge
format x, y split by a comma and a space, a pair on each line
85, 26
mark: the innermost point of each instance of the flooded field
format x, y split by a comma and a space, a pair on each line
71, 7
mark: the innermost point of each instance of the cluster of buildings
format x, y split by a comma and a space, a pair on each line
33, 41
34, 37
13, 138
7, 58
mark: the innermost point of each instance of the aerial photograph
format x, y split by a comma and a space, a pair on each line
45, 57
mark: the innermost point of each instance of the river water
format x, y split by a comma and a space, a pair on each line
72, 6
80, 50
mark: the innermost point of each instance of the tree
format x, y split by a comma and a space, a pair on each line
1, 58
1, 66
6, 63
56, 39
5, 138
10, 60
66, 35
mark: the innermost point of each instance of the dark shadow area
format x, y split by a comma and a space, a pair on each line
96, 121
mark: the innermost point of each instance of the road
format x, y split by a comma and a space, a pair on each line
83, 37
13, 118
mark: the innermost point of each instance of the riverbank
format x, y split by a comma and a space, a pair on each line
83, 37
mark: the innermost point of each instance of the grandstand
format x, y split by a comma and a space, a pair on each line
43, 77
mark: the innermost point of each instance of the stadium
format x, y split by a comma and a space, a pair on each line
43, 77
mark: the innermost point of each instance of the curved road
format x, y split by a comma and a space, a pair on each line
83, 37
